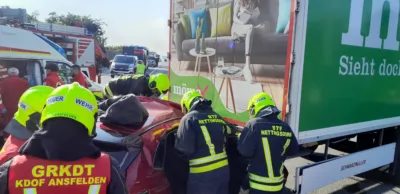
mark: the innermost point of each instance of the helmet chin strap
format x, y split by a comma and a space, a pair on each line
33, 123
156, 93
195, 103
94, 133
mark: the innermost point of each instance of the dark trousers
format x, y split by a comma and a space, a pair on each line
213, 182
253, 191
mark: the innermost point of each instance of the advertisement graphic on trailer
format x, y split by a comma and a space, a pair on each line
351, 63
229, 51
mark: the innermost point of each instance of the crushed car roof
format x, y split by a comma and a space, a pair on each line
159, 111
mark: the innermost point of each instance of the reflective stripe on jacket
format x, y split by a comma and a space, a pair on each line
267, 141
31, 175
201, 137
208, 163
107, 93
128, 84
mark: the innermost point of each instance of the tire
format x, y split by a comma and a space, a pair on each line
112, 76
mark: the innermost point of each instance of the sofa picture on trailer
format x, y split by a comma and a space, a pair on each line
245, 40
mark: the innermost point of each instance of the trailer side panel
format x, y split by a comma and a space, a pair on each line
228, 56
351, 68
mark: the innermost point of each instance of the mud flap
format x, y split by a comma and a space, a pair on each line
314, 176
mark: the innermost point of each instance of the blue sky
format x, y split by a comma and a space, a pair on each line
138, 22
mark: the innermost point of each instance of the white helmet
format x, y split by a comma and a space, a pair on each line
12, 71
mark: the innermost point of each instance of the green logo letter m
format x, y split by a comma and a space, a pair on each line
354, 38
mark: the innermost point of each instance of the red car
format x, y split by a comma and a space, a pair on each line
147, 156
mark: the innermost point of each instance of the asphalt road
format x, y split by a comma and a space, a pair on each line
356, 184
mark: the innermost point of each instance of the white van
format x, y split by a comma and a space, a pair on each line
30, 54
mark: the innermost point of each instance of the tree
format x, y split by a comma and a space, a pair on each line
33, 17
117, 49
111, 51
94, 26
53, 18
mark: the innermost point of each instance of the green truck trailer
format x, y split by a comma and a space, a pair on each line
331, 66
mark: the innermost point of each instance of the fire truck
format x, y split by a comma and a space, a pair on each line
29, 53
78, 43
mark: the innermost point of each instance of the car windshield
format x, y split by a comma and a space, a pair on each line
124, 59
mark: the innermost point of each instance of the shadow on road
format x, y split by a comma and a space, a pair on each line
367, 187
